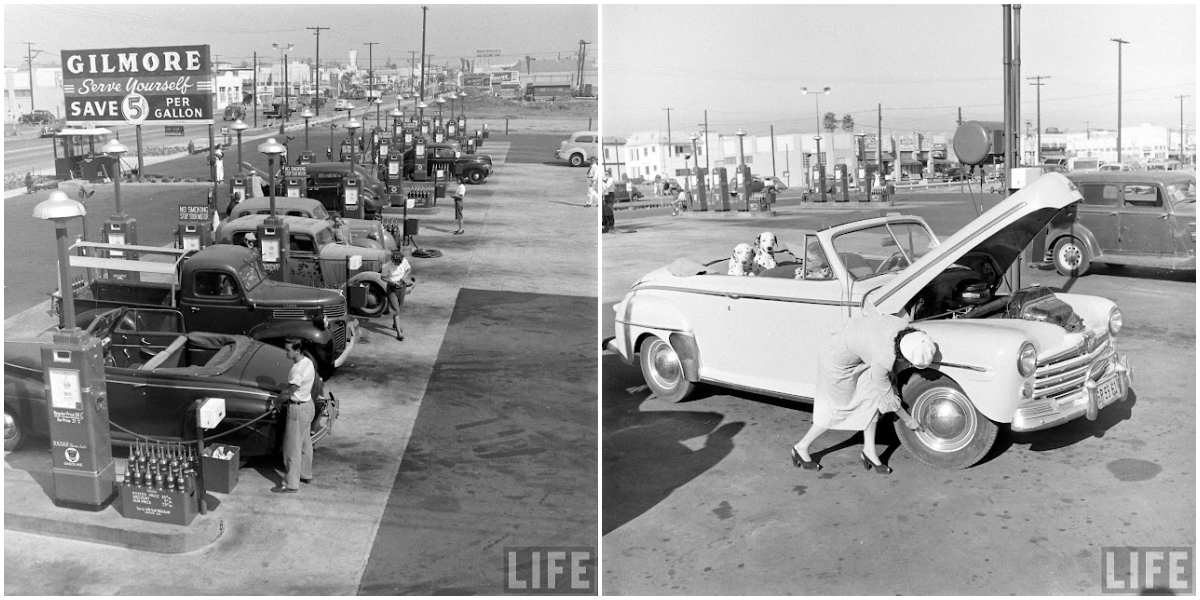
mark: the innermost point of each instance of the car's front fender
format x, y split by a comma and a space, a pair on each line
981, 356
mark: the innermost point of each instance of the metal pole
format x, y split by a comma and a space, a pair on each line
254, 101
424, 14
141, 162
772, 151
707, 166
240, 169
64, 276
1120, 43
29, 53
212, 166
1181, 144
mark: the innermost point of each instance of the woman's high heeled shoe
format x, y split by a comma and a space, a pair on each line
868, 465
800, 462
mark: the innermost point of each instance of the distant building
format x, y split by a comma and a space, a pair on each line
47, 92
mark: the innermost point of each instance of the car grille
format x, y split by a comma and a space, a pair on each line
1062, 377
337, 323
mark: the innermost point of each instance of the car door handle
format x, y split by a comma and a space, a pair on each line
145, 342
195, 308
1163, 217
733, 296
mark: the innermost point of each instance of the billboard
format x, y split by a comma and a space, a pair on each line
477, 80
170, 85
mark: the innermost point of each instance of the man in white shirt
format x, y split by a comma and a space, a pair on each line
459, 193
297, 437
397, 272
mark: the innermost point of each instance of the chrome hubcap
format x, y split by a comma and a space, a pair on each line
10, 427
948, 418
1070, 255
667, 370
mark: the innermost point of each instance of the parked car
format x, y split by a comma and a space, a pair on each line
364, 233
475, 168
324, 183
1084, 164
1143, 218
343, 104
1164, 165
1051, 168
579, 148
1105, 168
234, 112
1055, 161
154, 373
1031, 358
38, 116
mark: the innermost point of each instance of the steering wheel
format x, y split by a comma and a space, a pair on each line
895, 261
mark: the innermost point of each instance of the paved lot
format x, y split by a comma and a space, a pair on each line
700, 497
526, 234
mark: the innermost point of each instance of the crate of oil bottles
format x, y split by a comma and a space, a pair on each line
160, 484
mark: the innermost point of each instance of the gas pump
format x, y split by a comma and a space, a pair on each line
385, 143
471, 146
344, 151
195, 227
818, 179
478, 140
438, 123
121, 229
462, 125
701, 192
723, 187
406, 141
451, 129
274, 244
866, 175
743, 184
306, 157
839, 171
486, 132
352, 205
439, 134
239, 184
395, 179
84, 472
295, 181
420, 166
425, 126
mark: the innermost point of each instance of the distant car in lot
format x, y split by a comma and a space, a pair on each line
1055, 161
1051, 168
1142, 218
365, 233
154, 373
1105, 168
234, 112
38, 116
343, 104
577, 149
1083, 164
50, 130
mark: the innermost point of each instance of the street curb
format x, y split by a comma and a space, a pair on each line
108, 527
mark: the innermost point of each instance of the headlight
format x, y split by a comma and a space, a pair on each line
1027, 360
1114, 321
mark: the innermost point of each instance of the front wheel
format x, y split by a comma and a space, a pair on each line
376, 302
476, 176
14, 435
663, 372
955, 435
1071, 258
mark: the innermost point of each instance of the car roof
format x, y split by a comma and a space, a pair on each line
281, 202
1131, 177
295, 224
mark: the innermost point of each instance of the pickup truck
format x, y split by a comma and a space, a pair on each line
475, 168
318, 259
219, 289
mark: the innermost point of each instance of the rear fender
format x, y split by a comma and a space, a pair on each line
1074, 230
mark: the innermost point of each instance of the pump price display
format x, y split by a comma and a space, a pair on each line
64, 389
270, 250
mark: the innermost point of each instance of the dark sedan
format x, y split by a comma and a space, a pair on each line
155, 373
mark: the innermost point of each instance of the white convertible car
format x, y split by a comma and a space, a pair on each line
1031, 358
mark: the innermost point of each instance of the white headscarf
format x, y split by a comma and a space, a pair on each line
918, 348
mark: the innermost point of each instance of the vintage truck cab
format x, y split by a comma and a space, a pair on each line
219, 289
319, 260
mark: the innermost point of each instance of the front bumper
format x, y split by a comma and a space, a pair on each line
351, 339
1045, 414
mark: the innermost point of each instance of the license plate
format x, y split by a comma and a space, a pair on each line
1107, 391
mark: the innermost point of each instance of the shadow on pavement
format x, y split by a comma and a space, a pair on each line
645, 459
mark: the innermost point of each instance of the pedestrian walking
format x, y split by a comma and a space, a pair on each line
297, 435
28, 182
459, 193
398, 274
608, 218
854, 382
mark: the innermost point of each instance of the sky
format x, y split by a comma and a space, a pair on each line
746, 64
235, 32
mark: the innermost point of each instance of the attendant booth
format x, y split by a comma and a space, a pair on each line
77, 155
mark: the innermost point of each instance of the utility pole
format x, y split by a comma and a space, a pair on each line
960, 116
707, 167
1038, 78
879, 143
582, 54
1181, 144
772, 151
424, 12
317, 30
670, 143
412, 62
370, 68
254, 102
1120, 42
30, 55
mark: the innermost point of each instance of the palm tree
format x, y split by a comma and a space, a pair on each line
829, 123
847, 123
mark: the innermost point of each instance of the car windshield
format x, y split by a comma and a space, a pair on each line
885, 248
251, 274
1183, 192
324, 236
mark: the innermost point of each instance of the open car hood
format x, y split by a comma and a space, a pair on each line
1002, 232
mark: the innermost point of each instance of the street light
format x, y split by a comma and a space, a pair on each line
272, 149
60, 209
283, 57
816, 97
114, 148
441, 101
1120, 43
306, 114
378, 107
421, 106
239, 126
743, 180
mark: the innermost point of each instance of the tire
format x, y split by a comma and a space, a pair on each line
1071, 258
476, 176
663, 372
14, 433
576, 160
377, 301
955, 434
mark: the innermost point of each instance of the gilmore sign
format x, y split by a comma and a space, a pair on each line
164, 85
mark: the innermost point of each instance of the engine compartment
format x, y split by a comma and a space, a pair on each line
968, 290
